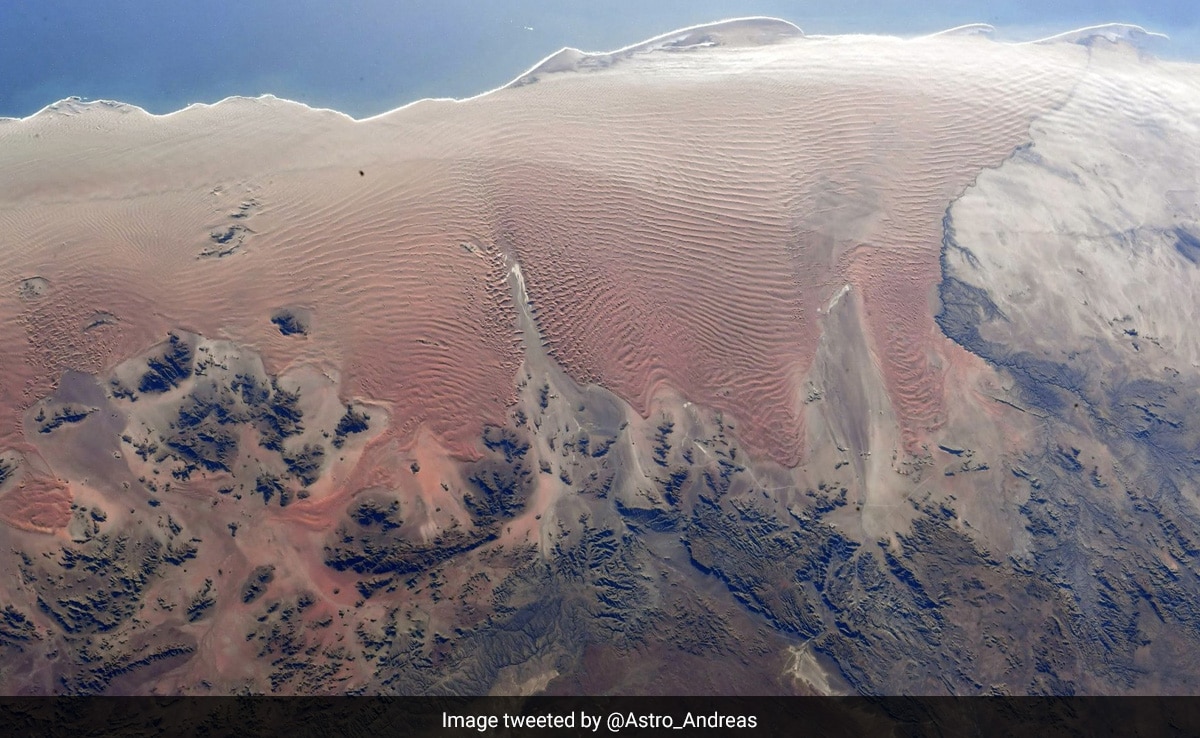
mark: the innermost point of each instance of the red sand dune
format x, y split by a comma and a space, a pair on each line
37, 504
680, 219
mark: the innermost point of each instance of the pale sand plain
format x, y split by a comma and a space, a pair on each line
741, 219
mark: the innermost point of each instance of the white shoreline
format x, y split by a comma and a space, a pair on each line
1113, 31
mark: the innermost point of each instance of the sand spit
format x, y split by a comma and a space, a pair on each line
744, 32
680, 218
1108, 32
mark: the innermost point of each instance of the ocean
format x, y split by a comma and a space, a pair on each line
364, 57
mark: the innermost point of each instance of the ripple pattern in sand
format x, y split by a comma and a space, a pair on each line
679, 219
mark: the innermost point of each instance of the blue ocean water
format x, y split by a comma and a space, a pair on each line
367, 56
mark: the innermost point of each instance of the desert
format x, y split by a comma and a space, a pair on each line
857, 364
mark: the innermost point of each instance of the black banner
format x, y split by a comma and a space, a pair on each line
297, 717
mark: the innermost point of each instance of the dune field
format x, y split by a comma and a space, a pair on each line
857, 364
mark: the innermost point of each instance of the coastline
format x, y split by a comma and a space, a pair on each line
1114, 32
